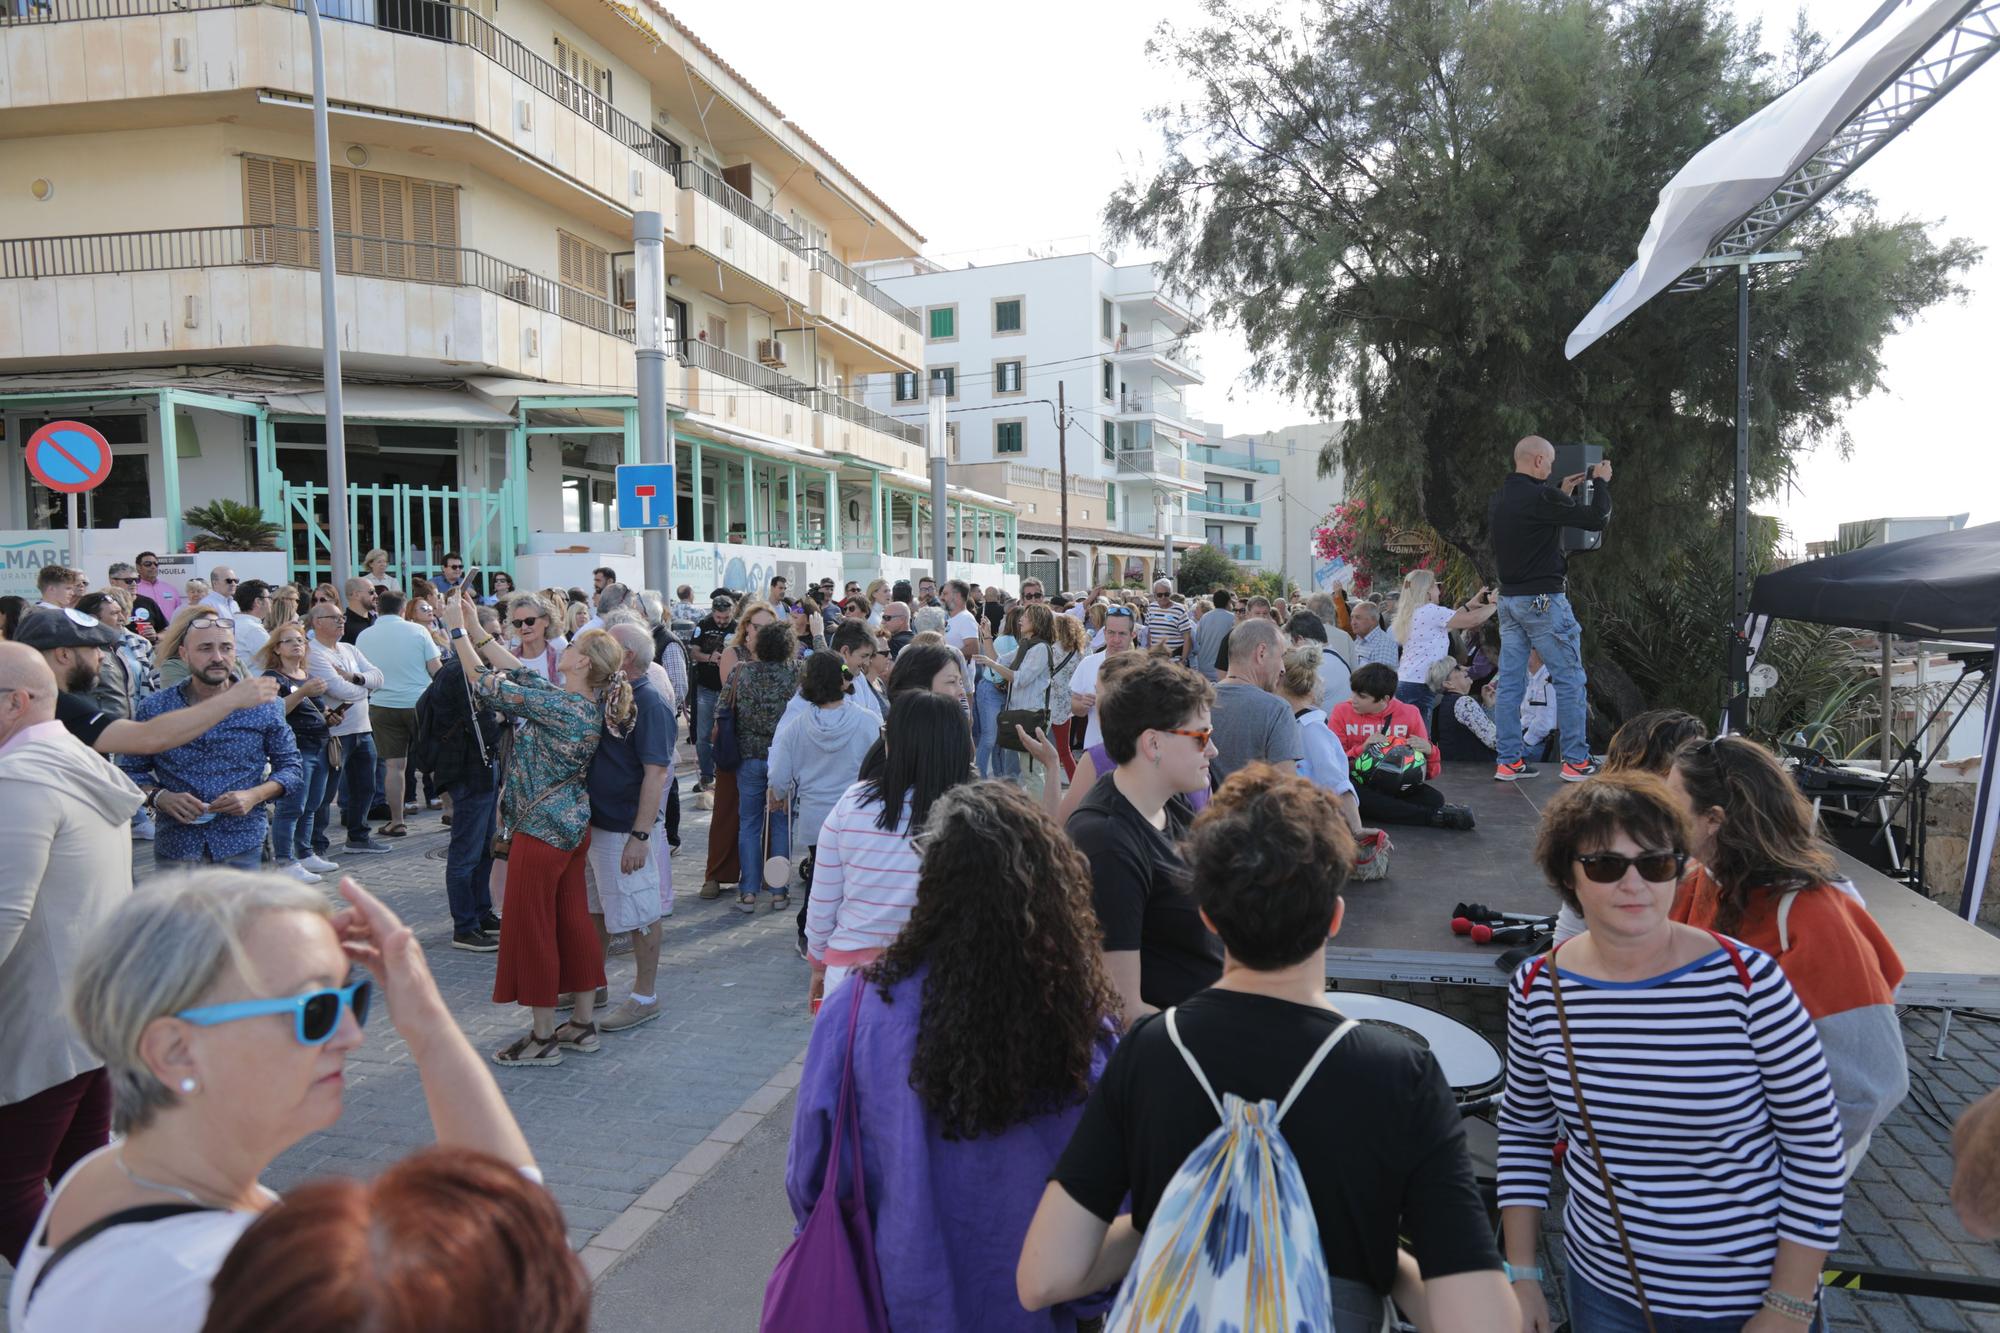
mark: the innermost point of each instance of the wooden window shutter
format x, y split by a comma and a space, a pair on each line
368, 191
343, 213
444, 230
271, 190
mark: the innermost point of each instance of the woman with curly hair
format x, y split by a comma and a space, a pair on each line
977, 1038
1269, 857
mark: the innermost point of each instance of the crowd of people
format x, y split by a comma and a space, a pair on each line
1067, 866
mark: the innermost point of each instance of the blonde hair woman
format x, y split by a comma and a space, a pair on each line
375, 568
878, 598
284, 658
284, 607
1424, 629
1323, 761
550, 945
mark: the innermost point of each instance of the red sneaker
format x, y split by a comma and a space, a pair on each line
1515, 771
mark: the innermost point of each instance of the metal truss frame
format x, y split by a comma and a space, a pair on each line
1972, 39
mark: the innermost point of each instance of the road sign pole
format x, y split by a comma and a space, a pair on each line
649, 277
75, 555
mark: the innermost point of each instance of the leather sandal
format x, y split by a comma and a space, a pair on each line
530, 1052
577, 1036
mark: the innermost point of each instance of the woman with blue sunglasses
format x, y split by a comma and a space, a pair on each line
224, 1007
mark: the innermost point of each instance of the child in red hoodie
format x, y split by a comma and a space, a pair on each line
1374, 710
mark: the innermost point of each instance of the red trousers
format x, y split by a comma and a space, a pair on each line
725, 863
549, 943
40, 1139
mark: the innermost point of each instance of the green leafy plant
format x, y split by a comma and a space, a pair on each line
1204, 569
230, 525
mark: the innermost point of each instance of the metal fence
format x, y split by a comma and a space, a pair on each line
707, 356
691, 175
825, 400
298, 247
868, 291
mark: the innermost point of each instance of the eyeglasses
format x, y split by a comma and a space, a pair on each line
452, 568
1032, 596
149, 564
315, 1012
1199, 737
529, 623
1653, 867
205, 622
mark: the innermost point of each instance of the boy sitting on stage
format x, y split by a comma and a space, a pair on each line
1388, 794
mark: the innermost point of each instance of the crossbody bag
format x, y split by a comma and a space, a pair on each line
1030, 720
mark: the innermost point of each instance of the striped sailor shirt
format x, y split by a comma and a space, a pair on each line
864, 882
1168, 626
1713, 1107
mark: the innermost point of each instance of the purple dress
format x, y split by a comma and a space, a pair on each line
949, 1215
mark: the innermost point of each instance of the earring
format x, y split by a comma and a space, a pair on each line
187, 1085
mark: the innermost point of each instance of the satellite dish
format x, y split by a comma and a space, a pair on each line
1762, 677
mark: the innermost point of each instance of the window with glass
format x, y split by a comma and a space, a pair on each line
1107, 318
1110, 380
944, 379
1007, 315
1007, 376
906, 387
1009, 437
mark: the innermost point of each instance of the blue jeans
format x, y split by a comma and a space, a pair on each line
292, 819
1421, 697
1594, 1310
752, 783
1553, 632
356, 784
468, 861
987, 703
705, 701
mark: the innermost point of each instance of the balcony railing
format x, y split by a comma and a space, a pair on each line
692, 175
1239, 551
868, 291
1233, 508
298, 247
1048, 479
1151, 462
707, 356
437, 20
1229, 458
825, 400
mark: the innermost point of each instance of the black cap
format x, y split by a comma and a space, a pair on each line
43, 630
722, 601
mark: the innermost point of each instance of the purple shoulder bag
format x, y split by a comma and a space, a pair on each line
828, 1279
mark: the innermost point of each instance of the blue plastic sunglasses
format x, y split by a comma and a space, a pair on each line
315, 1012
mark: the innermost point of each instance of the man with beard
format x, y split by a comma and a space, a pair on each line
71, 643
211, 791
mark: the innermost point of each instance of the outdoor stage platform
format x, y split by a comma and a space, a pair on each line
1399, 928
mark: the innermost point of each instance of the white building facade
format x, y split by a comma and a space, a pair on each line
1264, 496
1007, 341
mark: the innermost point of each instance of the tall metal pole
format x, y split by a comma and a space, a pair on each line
938, 456
1165, 507
1062, 475
329, 315
649, 278
1739, 648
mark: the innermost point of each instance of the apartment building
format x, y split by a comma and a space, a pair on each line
999, 341
159, 280
1266, 496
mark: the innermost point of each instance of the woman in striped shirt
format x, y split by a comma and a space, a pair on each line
865, 866
1704, 1164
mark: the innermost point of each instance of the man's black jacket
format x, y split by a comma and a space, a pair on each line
1525, 518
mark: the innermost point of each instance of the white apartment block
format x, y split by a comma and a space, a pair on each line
1266, 495
1001, 340
158, 279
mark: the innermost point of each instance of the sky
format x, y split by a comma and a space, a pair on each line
1020, 119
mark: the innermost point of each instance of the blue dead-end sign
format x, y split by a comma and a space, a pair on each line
69, 456
645, 495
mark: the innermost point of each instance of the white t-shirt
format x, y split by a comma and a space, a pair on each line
962, 626
1429, 640
1085, 682
250, 636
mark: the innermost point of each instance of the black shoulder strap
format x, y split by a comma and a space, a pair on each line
151, 1212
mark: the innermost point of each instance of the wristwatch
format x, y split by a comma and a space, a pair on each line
458, 633
1529, 1274
642, 837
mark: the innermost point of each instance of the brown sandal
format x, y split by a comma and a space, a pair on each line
577, 1036
395, 830
531, 1052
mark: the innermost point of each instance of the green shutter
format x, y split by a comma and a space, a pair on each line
941, 322
1110, 502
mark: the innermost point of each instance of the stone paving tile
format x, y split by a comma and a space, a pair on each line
1898, 1209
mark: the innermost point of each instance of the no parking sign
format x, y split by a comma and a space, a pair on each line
69, 456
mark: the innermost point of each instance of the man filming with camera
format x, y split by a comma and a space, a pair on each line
1526, 518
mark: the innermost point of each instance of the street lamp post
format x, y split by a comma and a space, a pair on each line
939, 452
341, 553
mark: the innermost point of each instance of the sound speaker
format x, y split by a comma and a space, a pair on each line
1571, 459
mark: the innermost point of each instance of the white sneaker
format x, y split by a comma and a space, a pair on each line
298, 871
319, 865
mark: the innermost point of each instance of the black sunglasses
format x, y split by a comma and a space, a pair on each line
529, 623
1653, 867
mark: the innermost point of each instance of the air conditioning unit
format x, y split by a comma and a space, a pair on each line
517, 288
771, 352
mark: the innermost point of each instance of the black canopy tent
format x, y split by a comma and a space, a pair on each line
1944, 586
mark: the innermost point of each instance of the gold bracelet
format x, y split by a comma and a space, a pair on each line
479, 645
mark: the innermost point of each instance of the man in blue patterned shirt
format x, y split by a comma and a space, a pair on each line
212, 790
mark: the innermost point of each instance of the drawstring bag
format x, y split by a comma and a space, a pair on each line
828, 1280
1233, 1243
